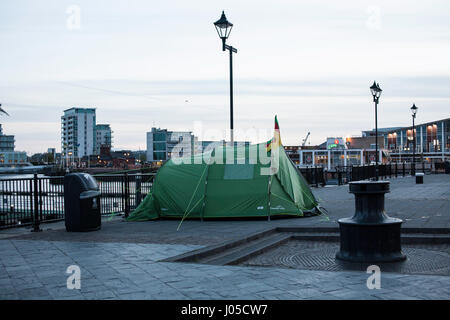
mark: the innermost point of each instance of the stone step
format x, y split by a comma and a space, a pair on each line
236, 251
248, 250
406, 238
404, 230
203, 253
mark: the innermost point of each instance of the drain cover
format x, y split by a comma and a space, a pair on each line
320, 255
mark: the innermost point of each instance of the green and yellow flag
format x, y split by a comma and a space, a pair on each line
275, 142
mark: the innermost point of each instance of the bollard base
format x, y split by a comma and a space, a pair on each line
370, 242
419, 178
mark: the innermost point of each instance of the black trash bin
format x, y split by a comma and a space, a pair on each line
81, 202
419, 178
447, 167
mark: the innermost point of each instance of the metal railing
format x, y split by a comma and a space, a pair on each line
31, 201
313, 175
387, 170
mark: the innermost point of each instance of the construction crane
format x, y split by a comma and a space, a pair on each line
3, 111
306, 139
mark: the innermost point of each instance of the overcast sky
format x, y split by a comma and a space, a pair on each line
159, 63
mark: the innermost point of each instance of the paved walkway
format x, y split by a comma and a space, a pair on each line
419, 205
121, 260
36, 270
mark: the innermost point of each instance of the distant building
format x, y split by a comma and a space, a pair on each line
339, 152
335, 143
103, 137
381, 131
367, 142
123, 159
163, 144
140, 155
78, 132
9, 157
293, 153
432, 142
6, 141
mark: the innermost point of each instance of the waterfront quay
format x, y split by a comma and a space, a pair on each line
140, 260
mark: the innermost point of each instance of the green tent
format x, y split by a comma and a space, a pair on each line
227, 182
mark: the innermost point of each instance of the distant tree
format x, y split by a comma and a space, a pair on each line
50, 157
143, 157
37, 158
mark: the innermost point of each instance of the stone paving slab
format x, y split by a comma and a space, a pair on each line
131, 271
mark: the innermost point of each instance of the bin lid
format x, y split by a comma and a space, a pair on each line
89, 194
418, 174
90, 181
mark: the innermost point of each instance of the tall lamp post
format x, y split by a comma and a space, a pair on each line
376, 93
413, 164
370, 236
223, 27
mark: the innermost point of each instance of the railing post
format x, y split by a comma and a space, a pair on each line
396, 169
316, 177
138, 189
36, 222
404, 169
127, 195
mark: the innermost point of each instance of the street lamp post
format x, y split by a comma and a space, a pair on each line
223, 27
370, 236
413, 164
376, 93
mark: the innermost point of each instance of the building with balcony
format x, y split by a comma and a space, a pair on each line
78, 132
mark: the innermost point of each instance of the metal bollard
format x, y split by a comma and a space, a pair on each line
370, 235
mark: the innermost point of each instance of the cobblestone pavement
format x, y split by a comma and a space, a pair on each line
120, 260
320, 255
36, 270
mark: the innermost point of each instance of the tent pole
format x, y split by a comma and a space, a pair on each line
204, 194
268, 208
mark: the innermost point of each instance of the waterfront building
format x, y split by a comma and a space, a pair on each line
381, 131
6, 141
103, 137
342, 152
432, 142
293, 153
78, 132
394, 145
162, 144
8, 156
